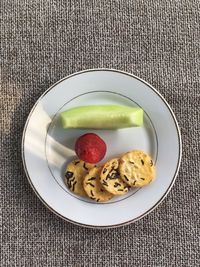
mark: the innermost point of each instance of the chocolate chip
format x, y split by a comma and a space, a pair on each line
108, 176
104, 170
69, 181
90, 184
142, 178
142, 161
73, 187
151, 163
104, 183
120, 190
117, 184
126, 178
113, 175
69, 184
98, 200
92, 178
84, 166
131, 162
91, 193
69, 174
76, 162
127, 187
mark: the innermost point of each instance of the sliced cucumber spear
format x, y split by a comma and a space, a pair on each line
102, 117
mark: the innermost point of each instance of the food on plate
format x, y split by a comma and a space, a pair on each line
102, 117
94, 188
136, 168
110, 178
115, 177
90, 148
74, 174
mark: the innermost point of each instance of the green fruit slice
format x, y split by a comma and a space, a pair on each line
102, 117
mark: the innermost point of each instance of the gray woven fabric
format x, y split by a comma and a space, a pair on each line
45, 40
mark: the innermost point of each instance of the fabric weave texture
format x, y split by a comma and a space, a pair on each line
44, 40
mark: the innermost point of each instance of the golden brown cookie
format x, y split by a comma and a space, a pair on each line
94, 188
136, 168
74, 174
111, 180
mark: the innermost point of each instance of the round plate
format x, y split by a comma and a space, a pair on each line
47, 147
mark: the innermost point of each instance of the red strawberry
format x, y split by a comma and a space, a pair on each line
90, 148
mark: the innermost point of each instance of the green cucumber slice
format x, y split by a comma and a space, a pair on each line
102, 117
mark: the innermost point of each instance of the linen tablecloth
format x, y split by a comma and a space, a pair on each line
44, 40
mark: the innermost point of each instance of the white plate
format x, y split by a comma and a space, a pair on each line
46, 147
